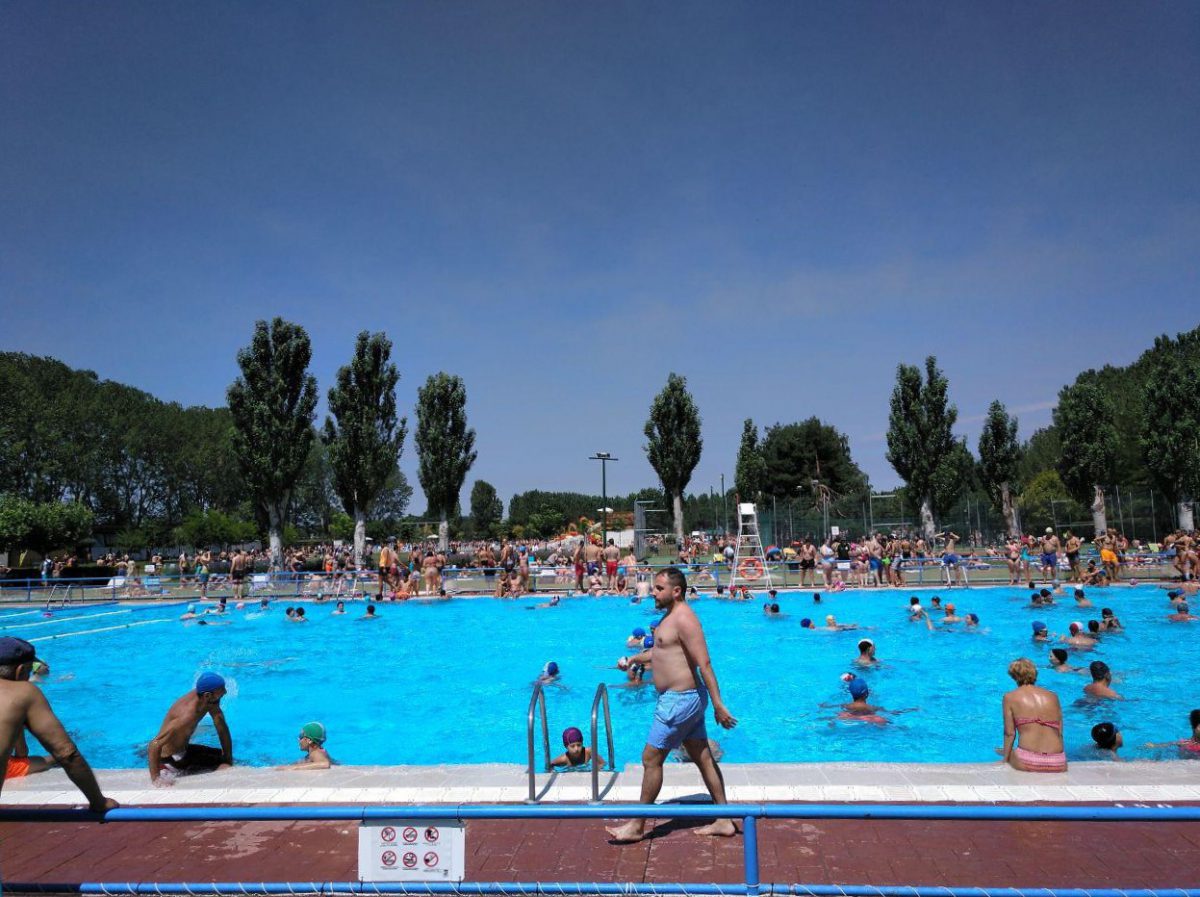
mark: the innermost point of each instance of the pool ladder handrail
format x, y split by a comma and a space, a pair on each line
601, 695
537, 702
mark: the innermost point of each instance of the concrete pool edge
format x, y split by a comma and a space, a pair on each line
1139, 781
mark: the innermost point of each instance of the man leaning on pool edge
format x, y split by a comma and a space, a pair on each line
22, 705
684, 678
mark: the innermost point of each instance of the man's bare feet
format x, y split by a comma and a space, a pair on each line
629, 833
718, 828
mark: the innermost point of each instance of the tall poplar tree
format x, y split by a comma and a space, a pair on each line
445, 446
999, 454
363, 436
673, 442
919, 436
273, 404
750, 474
1170, 430
1089, 445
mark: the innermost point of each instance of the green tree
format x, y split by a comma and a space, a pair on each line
363, 437
204, 529
673, 442
445, 446
750, 473
486, 507
547, 522
811, 459
919, 435
1170, 431
1084, 419
999, 455
272, 404
1045, 502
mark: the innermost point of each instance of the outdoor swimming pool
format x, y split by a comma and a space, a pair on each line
449, 682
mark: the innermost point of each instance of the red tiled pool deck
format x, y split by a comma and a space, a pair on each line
839, 852
960, 853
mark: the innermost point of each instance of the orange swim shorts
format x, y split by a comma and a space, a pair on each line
18, 767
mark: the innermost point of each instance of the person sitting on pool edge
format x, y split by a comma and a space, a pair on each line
576, 754
1101, 684
171, 749
312, 742
1033, 715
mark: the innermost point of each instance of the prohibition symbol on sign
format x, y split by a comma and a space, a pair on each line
431, 859
388, 834
409, 860
388, 858
410, 835
431, 834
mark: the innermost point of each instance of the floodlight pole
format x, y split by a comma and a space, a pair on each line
604, 458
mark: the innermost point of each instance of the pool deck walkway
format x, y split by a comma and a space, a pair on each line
843, 852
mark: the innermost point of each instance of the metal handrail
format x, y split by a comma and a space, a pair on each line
537, 701
601, 694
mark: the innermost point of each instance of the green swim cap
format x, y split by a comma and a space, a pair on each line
314, 732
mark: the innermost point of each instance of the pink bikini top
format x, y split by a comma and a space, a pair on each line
1055, 724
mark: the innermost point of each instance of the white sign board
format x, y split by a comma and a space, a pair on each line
835, 530
411, 850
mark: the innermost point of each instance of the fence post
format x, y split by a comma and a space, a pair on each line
750, 853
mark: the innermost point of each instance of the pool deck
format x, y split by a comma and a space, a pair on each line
875, 852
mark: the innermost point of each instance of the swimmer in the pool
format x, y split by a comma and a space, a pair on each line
807, 623
1108, 739
636, 637
771, 609
340, 608
1040, 632
1108, 622
950, 615
312, 742
866, 653
298, 616
370, 614
859, 709
915, 611
171, 749
550, 673
553, 602
190, 613
833, 625
1058, 662
1081, 600
1078, 639
1188, 747
1182, 614
576, 754
1100, 687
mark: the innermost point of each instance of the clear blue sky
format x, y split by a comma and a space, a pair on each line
562, 202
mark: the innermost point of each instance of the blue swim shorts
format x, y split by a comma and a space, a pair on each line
951, 560
678, 717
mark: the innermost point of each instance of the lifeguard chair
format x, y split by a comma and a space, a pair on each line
749, 560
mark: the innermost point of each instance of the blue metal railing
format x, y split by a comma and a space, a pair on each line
747, 813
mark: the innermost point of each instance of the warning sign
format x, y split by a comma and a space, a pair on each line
431, 852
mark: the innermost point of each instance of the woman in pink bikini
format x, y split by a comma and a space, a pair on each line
1034, 716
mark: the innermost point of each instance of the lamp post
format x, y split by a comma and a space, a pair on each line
724, 508
604, 458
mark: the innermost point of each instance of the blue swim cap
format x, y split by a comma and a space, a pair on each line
858, 688
639, 632
974, 618
805, 623
550, 669
648, 642
1174, 593
191, 609
1038, 626
209, 682
654, 625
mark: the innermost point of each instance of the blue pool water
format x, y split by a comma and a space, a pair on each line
449, 682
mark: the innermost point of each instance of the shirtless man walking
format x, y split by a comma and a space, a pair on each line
23, 706
685, 680
170, 748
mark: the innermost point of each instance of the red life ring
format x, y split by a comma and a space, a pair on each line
750, 568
